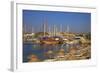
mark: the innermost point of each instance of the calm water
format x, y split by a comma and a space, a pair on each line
39, 50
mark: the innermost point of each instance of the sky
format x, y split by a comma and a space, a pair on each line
76, 21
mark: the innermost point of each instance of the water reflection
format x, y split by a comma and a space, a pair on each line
42, 52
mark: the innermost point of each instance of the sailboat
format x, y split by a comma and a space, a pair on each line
49, 40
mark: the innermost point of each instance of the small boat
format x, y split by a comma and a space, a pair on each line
50, 41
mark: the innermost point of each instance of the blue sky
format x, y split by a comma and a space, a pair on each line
77, 22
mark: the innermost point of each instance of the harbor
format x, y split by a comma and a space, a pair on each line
56, 39
56, 46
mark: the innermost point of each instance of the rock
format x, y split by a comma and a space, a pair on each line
33, 58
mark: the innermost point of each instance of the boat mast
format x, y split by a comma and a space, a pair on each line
49, 31
67, 29
61, 30
44, 29
54, 31
32, 29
